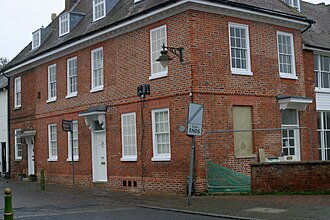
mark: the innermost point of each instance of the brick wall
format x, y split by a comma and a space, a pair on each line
290, 176
22, 118
205, 73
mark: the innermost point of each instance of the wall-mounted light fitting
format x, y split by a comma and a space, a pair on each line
143, 90
164, 58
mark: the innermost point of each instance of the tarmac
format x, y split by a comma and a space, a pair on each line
248, 207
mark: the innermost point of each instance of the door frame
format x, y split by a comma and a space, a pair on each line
30, 152
95, 161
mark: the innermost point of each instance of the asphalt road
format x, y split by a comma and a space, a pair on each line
120, 214
37, 205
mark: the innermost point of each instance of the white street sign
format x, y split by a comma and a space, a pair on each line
195, 119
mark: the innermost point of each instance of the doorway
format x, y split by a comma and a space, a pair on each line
99, 156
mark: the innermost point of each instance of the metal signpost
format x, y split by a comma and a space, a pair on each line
195, 121
67, 125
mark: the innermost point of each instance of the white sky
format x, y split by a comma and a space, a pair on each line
19, 18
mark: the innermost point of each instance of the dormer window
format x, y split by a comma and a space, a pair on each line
99, 9
64, 24
36, 39
293, 3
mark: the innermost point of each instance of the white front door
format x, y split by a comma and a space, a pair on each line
99, 157
30, 157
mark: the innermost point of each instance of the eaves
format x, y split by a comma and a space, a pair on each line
320, 50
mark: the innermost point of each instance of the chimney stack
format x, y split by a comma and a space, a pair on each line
53, 16
69, 4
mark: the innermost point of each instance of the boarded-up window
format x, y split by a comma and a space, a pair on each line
243, 140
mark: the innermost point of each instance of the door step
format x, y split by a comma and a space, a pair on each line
100, 185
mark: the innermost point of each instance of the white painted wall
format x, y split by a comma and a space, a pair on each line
322, 101
4, 126
3, 116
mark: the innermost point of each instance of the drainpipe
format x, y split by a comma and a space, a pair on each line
309, 26
8, 121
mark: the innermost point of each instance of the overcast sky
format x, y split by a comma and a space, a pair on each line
19, 18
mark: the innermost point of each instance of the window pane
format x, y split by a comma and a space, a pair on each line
239, 44
319, 122
97, 65
129, 135
158, 38
161, 132
289, 117
285, 50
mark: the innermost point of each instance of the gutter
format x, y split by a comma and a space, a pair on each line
8, 124
309, 26
316, 48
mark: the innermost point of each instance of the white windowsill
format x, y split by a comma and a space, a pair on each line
63, 34
18, 159
17, 108
128, 159
71, 95
96, 89
241, 72
288, 76
160, 159
52, 159
70, 160
51, 100
320, 90
94, 20
158, 75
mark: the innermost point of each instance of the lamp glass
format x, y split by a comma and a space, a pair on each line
164, 63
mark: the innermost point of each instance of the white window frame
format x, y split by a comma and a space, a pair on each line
36, 39
322, 130
292, 3
95, 5
74, 70
64, 22
291, 75
51, 147
51, 98
132, 135
75, 139
18, 144
319, 71
157, 156
18, 93
240, 71
155, 48
98, 87
295, 129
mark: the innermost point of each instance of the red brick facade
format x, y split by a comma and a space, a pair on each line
205, 74
281, 177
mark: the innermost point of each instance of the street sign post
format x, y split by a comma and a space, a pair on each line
195, 121
67, 125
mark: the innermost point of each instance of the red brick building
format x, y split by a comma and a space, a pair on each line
242, 60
